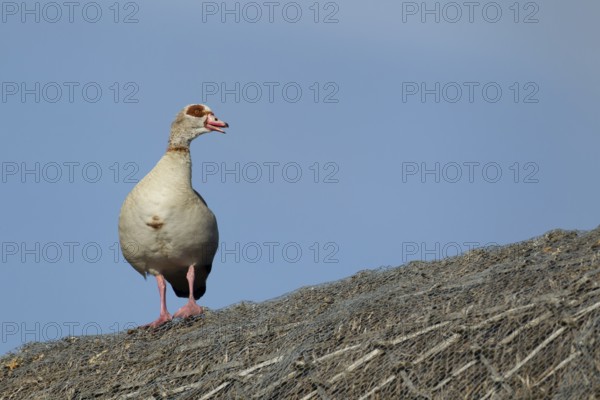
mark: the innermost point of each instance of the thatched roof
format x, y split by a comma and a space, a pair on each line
520, 321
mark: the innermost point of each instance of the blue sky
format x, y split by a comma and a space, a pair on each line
361, 136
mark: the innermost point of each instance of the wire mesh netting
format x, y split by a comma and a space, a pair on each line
518, 321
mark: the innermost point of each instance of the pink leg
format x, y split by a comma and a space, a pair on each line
164, 316
191, 308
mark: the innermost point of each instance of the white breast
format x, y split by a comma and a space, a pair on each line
164, 224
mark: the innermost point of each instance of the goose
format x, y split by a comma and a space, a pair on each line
165, 227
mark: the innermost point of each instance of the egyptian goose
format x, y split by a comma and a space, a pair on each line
165, 227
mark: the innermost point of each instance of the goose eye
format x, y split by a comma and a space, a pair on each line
196, 111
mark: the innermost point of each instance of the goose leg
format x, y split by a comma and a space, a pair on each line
164, 316
191, 308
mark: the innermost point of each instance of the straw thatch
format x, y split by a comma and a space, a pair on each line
520, 321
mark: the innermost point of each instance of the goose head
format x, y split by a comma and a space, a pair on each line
193, 121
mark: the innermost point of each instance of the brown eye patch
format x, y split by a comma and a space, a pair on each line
196, 111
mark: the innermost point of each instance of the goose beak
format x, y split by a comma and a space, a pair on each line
214, 124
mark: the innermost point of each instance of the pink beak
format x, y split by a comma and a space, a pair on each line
214, 124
